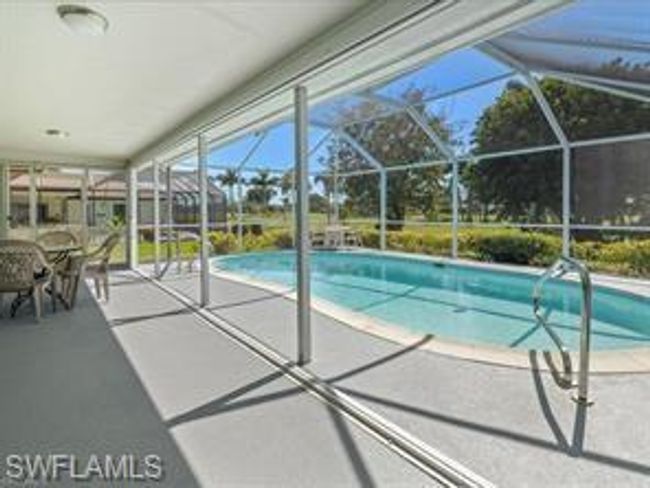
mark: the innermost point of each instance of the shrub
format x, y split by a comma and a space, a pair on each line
625, 257
513, 246
517, 247
223, 242
283, 239
273, 239
369, 238
639, 258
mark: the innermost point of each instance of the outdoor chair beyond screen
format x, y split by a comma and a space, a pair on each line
97, 262
24, 270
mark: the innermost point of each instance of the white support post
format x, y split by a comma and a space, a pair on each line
32, 202
156, 218
85, 181
293, 195
240, 212
170, 213
4, 200
383, 190
455, 181
132, 217
302, 225
566, 201
335, 185
203, 198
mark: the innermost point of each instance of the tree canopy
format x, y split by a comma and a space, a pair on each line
523, 188
528, 187
395, 139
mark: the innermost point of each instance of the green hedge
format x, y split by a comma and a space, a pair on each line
224, 243
515, 246
512, 246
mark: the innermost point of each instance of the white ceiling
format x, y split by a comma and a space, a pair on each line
159, 63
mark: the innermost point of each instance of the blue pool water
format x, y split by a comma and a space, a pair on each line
459, 302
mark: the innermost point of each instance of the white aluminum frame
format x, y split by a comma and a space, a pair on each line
449, 158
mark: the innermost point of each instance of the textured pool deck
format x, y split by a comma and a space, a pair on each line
511, 426
142, 375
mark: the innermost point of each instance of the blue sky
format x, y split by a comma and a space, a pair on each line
611, 19
457, 70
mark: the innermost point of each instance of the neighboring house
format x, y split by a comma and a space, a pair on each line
59, 200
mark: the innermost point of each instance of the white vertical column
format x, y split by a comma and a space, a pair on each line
132, 217
454, 208
337, 211
240, 212
383, 190
85, 181
203, 200
170, 212
156, 217
32, 202
335, 185
4, 200
293, 196
302, 225
566, 201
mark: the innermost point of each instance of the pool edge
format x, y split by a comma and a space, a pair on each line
621, 361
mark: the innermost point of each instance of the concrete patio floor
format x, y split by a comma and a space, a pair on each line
141, 375
511, 426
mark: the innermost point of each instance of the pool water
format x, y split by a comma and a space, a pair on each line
460, 302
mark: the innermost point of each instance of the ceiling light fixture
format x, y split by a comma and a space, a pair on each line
62, 134
82, 20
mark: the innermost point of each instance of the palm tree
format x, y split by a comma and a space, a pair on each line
262, 188
286, 189
229, 179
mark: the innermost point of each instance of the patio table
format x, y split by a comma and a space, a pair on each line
59, 256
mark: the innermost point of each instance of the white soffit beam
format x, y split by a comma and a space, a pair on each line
381, 41
27, 157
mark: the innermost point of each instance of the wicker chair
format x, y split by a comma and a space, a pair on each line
97, 264
57, 238
24, 270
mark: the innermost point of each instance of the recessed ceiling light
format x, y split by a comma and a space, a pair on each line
83, 20
57, 133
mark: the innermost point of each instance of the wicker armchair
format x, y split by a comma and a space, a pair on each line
24, 270
97, 264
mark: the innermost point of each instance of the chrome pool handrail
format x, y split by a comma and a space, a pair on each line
565, 379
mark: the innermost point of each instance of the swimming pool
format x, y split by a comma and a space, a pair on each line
465, 303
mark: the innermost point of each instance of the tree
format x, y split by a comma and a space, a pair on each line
393, 139
286, 190
229, 179
327, 181
262, 189
528, 188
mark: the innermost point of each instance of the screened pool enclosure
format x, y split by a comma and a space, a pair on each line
525, 146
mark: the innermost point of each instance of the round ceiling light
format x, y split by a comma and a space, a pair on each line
82, 20
62, 134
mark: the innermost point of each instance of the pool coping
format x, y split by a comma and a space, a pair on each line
635, 360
